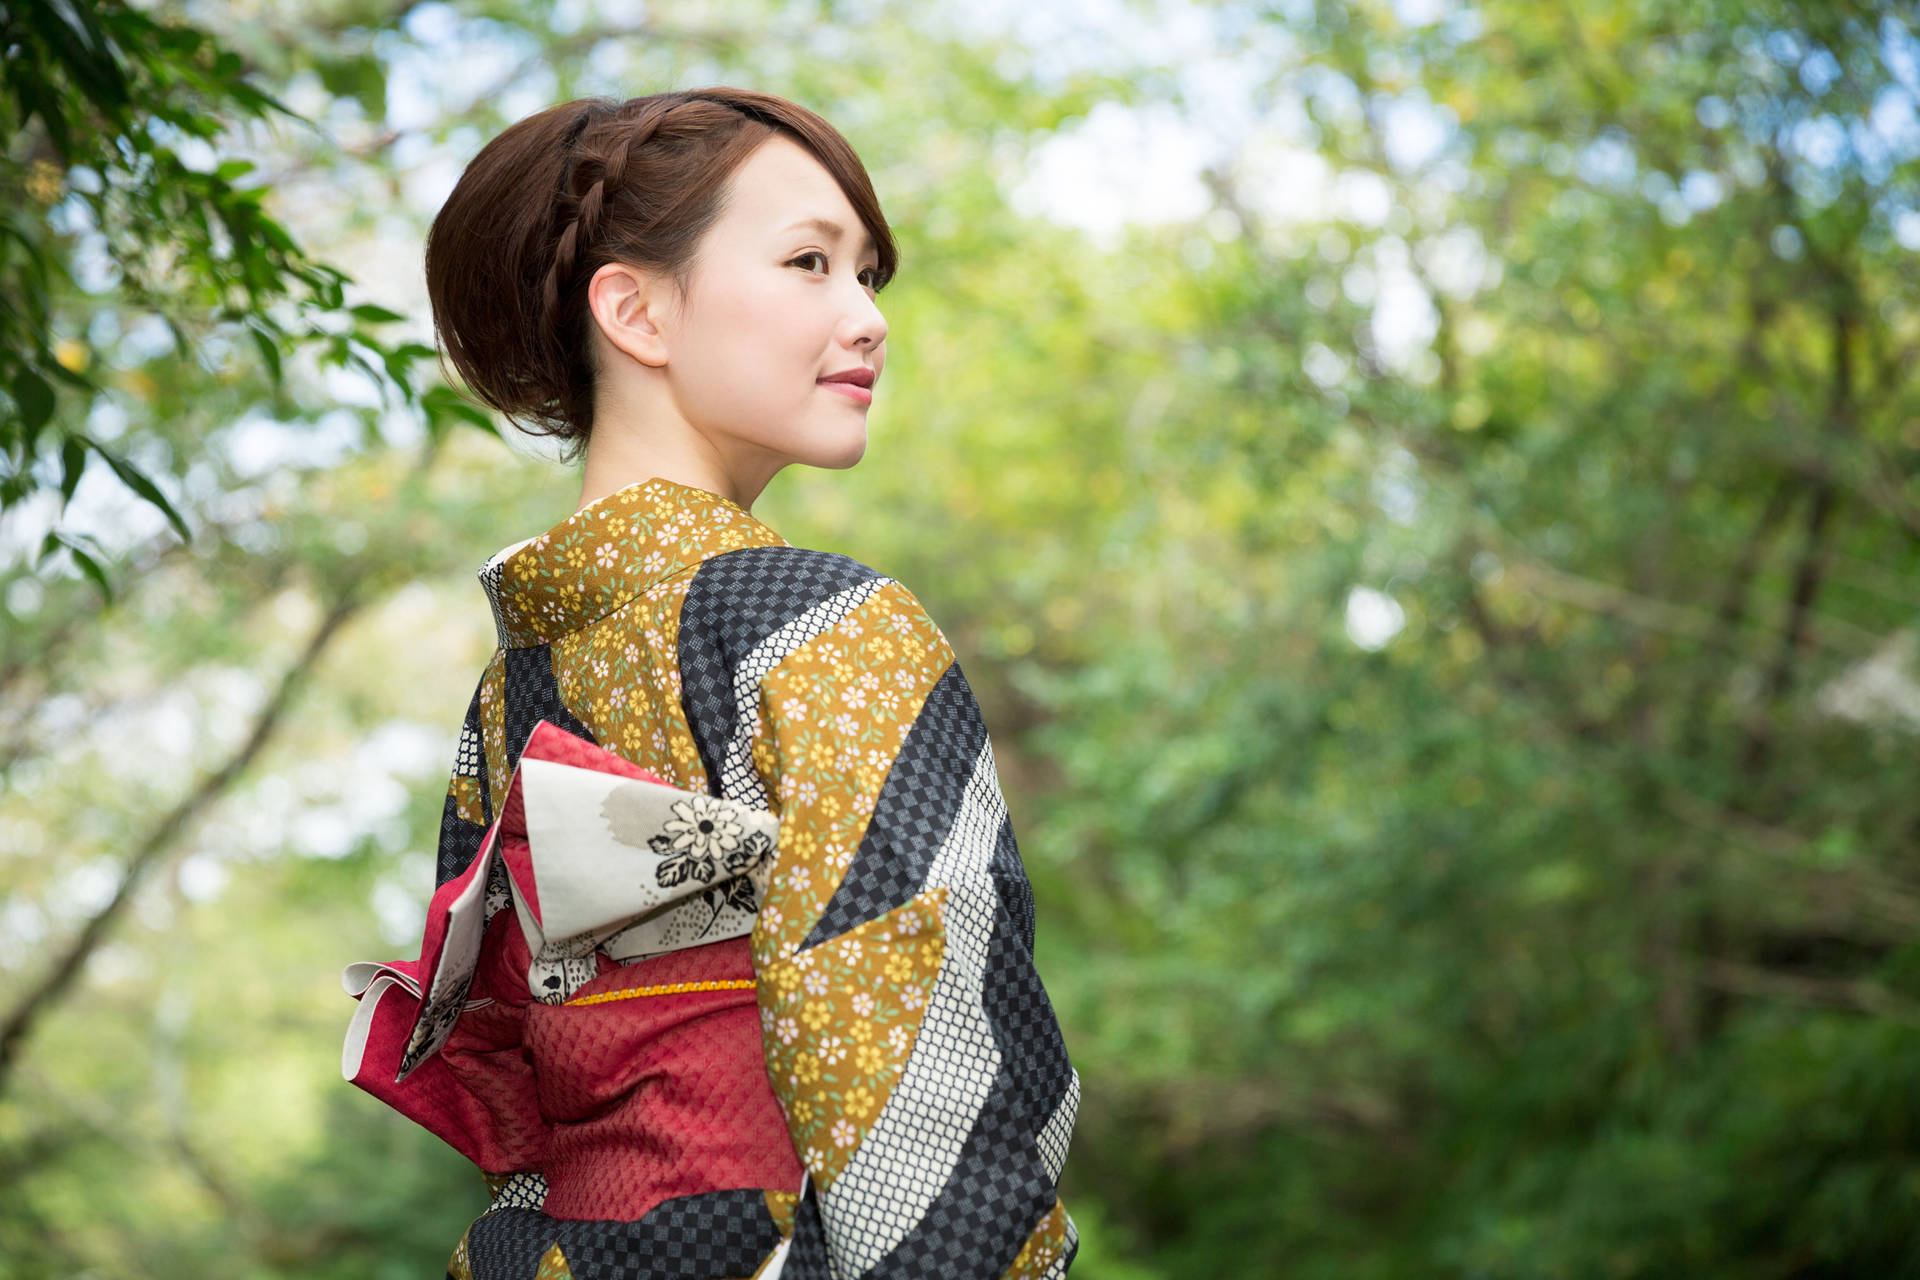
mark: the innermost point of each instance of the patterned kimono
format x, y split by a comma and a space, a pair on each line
729, 971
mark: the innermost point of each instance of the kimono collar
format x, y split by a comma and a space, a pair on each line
608, 552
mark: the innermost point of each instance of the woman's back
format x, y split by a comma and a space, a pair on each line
866, 1006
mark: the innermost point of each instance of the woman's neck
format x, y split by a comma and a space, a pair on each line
618, 456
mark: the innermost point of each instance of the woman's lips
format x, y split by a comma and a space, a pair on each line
852, 390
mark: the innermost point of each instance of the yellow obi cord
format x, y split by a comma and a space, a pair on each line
670, 989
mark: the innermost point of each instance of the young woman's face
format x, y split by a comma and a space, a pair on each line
781, 296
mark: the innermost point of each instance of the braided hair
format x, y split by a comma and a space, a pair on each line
583, 227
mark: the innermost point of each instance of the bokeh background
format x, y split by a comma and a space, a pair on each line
1428, 494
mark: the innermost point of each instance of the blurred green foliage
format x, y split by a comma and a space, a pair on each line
1446, 611
112, 115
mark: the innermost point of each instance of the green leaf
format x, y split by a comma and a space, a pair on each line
92, 569
445, 407
137, 480
375, 314
269, 352
276, 236
73, 462
362, 78
256, 101
398, 369
35, 398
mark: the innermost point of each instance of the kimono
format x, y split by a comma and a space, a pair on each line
729, 970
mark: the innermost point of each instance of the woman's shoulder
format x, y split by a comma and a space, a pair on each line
744, 599
801, 622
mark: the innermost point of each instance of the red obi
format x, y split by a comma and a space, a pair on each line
627, 1083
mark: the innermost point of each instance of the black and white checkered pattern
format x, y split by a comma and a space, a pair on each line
470, 760
718, 1233
490, 573
528, 695
1008, 1170
709, 1236
1058, 1130
1016, 893
520, 1191
807, 1257
459, 842
459, 837
533, 694
911, 1151
507, 1244
743, 612
987, 1210
1024, 1025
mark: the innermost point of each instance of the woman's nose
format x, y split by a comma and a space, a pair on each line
869, 327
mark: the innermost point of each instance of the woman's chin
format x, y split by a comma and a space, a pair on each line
852, 454
838, 448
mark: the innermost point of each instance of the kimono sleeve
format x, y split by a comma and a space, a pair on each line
906, 1032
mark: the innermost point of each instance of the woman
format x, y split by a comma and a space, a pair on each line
730, 969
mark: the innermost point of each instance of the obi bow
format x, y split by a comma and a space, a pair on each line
594, 855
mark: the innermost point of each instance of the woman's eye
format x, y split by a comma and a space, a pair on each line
870, 277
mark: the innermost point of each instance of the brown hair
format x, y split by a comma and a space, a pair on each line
563, 192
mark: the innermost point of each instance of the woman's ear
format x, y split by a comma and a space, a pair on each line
629, 305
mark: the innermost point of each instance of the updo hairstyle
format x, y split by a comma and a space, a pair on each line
561, 193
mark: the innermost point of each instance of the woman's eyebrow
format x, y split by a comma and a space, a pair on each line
829, 228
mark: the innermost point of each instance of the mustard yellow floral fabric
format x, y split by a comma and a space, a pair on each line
553, 1266
458, 1268
491, 700
780, 1207
834, 714
620, 679
840, 1020
592, 562
1046, 1249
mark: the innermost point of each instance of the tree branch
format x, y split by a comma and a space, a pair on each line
1865, 892
1860, 994
1809, 573
1678, 619
1732, 613
151, 851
